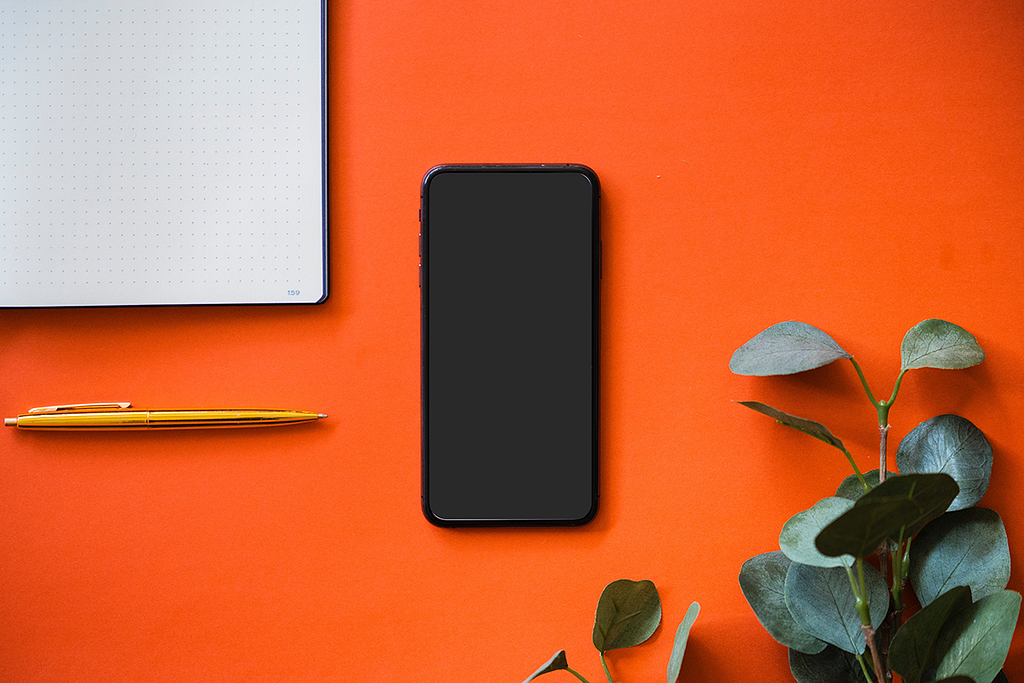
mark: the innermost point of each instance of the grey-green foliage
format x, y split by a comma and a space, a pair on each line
913, 649
819, 589
894, 510
822, 603
799, 533
950, 444
675, 660
784, 349
963, 548
939, 344
976, 640
763, 581
808, 427
628, 613
832, 665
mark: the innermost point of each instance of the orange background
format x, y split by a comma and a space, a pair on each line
854, 165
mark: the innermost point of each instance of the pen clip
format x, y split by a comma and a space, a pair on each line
80, 406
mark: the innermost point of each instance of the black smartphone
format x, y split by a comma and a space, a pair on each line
510, 267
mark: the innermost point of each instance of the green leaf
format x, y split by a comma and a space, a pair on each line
628, 613
975, 642
675, 660
938, 344
556, 663
830, 666
950, 444
913, 647
904, 502
809, 427
823, 604
763, 581
851, 488
800, 531
784, 349
964, 548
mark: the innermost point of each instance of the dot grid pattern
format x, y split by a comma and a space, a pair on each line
161, 153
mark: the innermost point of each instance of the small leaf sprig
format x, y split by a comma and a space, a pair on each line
628, 613
841, 618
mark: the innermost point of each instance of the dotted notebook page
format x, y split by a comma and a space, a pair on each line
161, 153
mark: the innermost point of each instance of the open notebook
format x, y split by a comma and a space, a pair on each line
165, 152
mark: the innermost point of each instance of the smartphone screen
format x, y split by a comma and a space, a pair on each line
510, 270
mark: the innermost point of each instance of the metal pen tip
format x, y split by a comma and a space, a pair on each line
320, 416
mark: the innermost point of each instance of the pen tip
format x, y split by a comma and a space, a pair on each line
13, 421
320, 416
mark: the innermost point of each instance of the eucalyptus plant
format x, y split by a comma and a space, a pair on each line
628, 613
834, 592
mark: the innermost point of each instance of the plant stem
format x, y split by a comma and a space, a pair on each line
576, 674
858, 593
896, 389
607, 673
864, 382
863, 609
899, 557
864, 668
883, 451
856, 470
882, 407
869, 637
865, 614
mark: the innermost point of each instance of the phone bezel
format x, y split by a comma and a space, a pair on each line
596, 271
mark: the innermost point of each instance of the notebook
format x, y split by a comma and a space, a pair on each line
162, 153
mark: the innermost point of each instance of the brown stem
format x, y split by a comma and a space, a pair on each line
882, 639
883, 441
880, 651
869, 636
883, 550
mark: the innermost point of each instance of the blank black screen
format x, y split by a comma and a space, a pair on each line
509, 285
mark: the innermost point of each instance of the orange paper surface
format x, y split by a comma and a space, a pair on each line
857, 166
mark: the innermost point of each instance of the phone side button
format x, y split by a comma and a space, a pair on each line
421, 275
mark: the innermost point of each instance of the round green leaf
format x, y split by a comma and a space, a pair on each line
903, 503
976, 641
675, 660
939, 344
763, 581
628, 613
913, 647
786, 348
832, 665
823, 604
964, 548
950, 444
799, 532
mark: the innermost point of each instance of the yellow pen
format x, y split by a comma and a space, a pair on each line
111, 416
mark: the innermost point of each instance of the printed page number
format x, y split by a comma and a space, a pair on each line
293, 292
